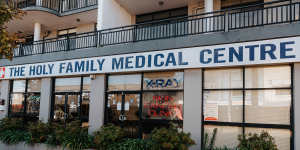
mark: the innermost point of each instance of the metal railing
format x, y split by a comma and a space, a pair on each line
60, 6
219, 21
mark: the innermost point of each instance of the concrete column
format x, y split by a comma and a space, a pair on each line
4, 95
209, 7
297, 105
97, 103
45, 102
118, 16
193, 104
38, 2
37, 31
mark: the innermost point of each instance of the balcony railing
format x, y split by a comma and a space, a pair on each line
60, 6
278, 12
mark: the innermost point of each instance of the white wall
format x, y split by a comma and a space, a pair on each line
4, 95
111, 14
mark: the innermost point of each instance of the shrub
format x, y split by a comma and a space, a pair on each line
264, 141
12, 131
133, 144
39, 132
11, 124
76, 137
171, 139
13, 136
107, 136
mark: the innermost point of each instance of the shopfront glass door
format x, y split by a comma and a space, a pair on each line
123, 110
66, 107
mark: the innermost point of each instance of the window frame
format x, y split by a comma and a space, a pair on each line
79, 93
140, 92
244, 124
25, 94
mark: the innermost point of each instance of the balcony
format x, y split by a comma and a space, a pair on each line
278, 12
58, 6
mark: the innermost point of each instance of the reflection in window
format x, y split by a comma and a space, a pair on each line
72, 98
282, 137
265, 93
25, 92
86, 84
163, 105
67, 84
124, 82
17, 103
163, 81
34, 86
268, 107
268, 77
19, 85
223, 78
33, 104
85, 107
226, 135
224, 106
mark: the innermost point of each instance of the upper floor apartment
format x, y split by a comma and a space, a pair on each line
120, 26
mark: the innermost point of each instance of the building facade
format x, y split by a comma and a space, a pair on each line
231, 65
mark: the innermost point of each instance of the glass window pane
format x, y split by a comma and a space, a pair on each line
268, 77
281, 136
223, 78
85, 108
163, 105
34, 86
86, 87
19, 85
163, 80
17, 103
268, 106
72, 107
223, 106
114, 107
131, 106
124, 82
59, 107
225, 135
67, 84
33, 105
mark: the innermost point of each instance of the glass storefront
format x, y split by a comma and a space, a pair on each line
141, 102
71, 100
248, 100
25, 99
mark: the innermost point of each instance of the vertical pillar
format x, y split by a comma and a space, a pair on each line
4, 95
209, 7
97, 103
37, 37
38, 2
296, 105
193, 105
37, 31
45, 101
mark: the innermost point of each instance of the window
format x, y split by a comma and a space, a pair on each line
250, 99
141, 102
25, 99
71, 99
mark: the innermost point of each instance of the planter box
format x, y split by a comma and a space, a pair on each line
23, 146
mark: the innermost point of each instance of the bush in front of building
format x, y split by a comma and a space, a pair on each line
262, 141
76, 137
12, 131
133, 144
107, 136
171, 139
38, 132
